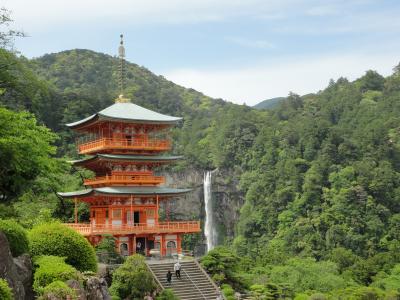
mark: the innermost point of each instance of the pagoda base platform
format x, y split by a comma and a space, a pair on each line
158, 240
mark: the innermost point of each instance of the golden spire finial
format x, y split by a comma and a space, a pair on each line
121, 79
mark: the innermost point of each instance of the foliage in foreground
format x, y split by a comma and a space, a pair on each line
50, 269
132, 280
16, 236
5, 291
59, 240
25, 152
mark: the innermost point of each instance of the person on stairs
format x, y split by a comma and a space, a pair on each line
177, 269
169, 277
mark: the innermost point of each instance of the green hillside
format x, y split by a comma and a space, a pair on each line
320, 173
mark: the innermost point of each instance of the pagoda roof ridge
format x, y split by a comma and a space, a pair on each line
126, 190
128, 112
128, 157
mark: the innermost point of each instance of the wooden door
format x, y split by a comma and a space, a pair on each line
100, 216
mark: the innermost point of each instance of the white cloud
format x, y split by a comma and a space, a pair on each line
260, 44
253, 84
42, 13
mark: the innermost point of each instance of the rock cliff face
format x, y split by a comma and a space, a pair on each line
16, 271
227, 199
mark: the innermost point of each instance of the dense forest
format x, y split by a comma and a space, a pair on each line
320, 173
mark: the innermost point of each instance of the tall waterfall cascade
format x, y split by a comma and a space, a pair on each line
209, 230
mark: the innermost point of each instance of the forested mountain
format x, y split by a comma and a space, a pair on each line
269, 103
320, 173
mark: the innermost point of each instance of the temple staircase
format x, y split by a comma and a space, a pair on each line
195, 284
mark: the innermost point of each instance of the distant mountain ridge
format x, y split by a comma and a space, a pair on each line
268, 103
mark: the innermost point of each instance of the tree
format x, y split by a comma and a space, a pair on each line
132, 280
25, 152
7, 35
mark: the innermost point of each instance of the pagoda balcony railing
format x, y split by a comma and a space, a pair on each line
88, 229
125, 180
102, 144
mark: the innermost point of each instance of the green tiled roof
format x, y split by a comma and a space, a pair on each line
126, 190
128, 112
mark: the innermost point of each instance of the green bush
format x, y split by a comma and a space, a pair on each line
167, 294
59, 290
106, 252
132, 280
16, 236
227, 290
5, 291
50, 269
59, 240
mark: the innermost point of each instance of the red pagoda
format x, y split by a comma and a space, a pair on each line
124, 144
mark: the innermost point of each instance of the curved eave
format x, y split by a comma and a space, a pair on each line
127, 112
122, 190
115, 157
75, 194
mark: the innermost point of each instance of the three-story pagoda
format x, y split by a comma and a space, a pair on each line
124, 144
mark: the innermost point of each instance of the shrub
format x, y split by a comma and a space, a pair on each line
59, 290
16, 236
5, 291
228, 292
59, 240
167, 294
133, 279
50, 269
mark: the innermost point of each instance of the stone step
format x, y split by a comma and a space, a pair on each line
194, 284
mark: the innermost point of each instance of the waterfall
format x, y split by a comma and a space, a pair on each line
209, 230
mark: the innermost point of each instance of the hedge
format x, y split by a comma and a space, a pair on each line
16, 236
50, 269
59, 240
59, 290
5, 291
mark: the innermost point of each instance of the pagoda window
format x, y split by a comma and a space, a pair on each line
117, 216
116, 213
132, 217
171, 248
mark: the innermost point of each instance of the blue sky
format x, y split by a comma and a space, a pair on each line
241, 51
